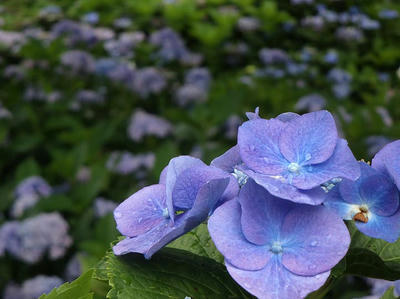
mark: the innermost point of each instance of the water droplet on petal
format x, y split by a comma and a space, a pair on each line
140, 220
312, 267
314, 243
308, 157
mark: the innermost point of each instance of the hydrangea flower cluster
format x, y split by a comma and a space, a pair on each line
276, 202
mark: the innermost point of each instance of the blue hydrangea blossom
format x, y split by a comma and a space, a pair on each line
292, 155
156, 215
275, 248
372, 201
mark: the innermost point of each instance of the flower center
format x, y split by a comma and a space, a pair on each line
294, 167
165, 213
362, 214
276, 247
240, 176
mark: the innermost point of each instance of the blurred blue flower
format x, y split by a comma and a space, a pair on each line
33, 288
145, 124
273, 56
310, 103
147, 81
91, 18
388, 14
126, 163
31, 238
103, 206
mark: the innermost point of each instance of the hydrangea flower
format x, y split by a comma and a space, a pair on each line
125, 162
28, 193
275, 248
145, 124
372, 201
292, 155
158, 214
33, 288
30, 239
103, 206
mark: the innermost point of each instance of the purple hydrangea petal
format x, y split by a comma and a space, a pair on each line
258, 145
228, 160
380, 194
387, 160
386, 228
262, 213
141, 211
274, 281
316, 240
341, 164
163, 176
225, 230
335, 202
190, 181
287, 116
282, 189
175, 167
309, 139
350, 189
160, 235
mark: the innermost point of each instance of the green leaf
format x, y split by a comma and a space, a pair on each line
78, 289
198, 241
389, 294
171, 273
372, 257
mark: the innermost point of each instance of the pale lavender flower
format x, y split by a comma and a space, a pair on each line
331, 57
78, 61
316, 23
31, 238
147, 81
74, 267
103, 207
272, 56
126, 163
74, 32
122, 23
33, 288
349, 34
311, 102
89, 96
144, 124
91, 18
84, 174
188, 94
388, 14
171, 45
248, 24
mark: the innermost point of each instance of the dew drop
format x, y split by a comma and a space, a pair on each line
312, 267
140, 220
314, 243
117, 215
308, 157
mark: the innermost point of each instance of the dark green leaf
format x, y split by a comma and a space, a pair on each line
78, 289
171, 273
198, 241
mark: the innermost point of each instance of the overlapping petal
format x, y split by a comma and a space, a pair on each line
341, 164
309, 139
276, 282
225, 230
315, 239
258, 145
387, 160
262, 213
380, 194
189, 183
175, 167
228, 160
279, 187
386, 228
141, 211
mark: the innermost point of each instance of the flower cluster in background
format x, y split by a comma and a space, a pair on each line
96, 98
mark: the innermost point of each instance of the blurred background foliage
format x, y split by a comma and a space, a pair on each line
79, 80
